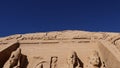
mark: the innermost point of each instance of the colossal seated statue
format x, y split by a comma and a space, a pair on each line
14, 60
94, 60
73, 60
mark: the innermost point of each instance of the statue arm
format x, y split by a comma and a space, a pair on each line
11, 56
19, 60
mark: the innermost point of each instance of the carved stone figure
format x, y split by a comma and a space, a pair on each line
94, 60
41, 64
15, 59
103, 65
117, 44
73, 60
49, 50
53, 63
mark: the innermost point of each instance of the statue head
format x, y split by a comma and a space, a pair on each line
94, 59
72, 57
18, 50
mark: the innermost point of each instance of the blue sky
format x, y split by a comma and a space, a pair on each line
26, 16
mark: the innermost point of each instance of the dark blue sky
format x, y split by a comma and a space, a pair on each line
26, 16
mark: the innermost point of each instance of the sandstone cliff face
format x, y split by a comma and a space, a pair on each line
62, 49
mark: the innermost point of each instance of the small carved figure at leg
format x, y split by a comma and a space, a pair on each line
40, 64
53, 62
103, 65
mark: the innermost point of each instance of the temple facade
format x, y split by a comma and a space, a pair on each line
61, 49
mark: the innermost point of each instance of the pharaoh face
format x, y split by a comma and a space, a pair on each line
72, 58
94, 60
